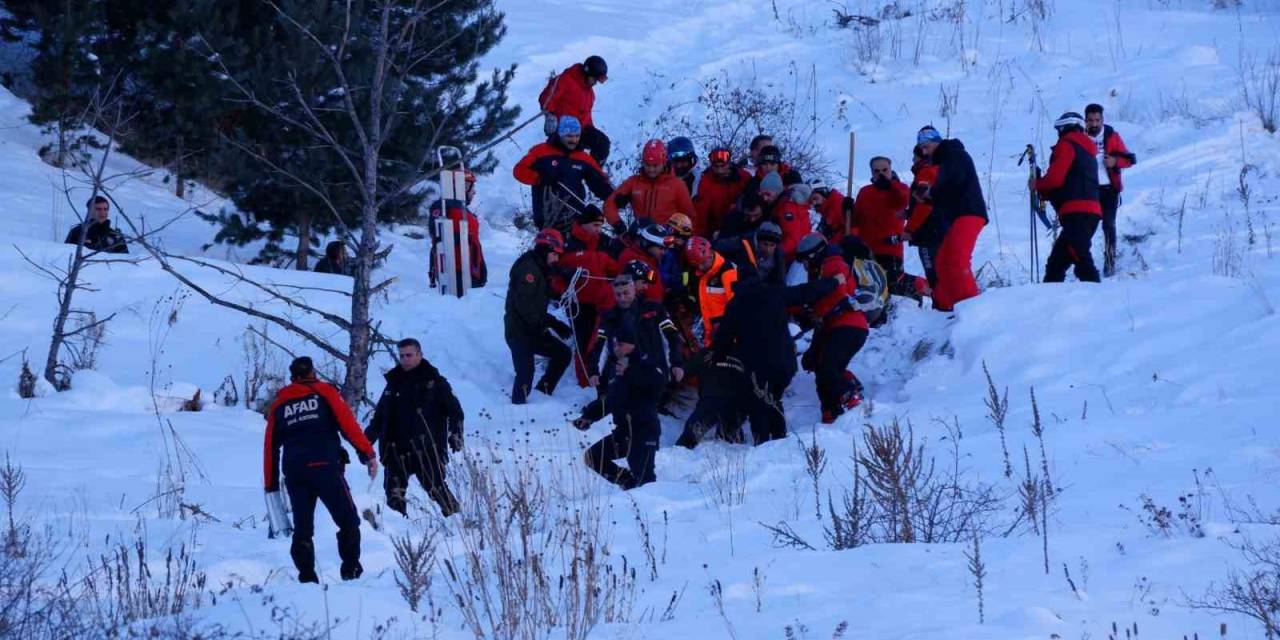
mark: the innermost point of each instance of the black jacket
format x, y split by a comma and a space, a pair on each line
957, 191
528, 294
562, 176
305, 420
754, 327
101, 237
743, 252
736, 224
658, 342
417, 412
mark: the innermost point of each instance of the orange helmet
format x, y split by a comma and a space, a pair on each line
681, 224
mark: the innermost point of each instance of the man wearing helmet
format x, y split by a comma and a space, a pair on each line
684, 161
717, 191
529, 329
1071, 184
650, 247
653, 194
572, 93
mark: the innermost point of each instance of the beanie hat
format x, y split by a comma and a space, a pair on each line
771, 182
569, 126
928, 134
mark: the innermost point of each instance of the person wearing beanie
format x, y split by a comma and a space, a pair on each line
530, 330
879, 219
769, 160
572, 93
1071, 184
596, 254
560, 174
305, 422
418, 422
921, 230
959, 212
653, 193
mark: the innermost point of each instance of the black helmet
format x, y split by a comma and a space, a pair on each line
596, 67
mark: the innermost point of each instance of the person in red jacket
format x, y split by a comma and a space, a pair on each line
791, 212
918, 231
306, 420
834, 208
650, 246
1071, 184
653, 194
769, 160
588, 249
560, 175
458, 212
572, 93
878, 220
718, 190
960, 213
841, 330
1112, 157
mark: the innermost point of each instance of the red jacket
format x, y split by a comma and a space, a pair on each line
305, 420
655, 199
927, 175
1113, 145
828, 310
715, 197
584, 250
793, 217
570, 95
656, 289
877, 217
524, 172
832, 212
1071, 182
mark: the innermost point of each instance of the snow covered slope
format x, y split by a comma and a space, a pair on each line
1158, 383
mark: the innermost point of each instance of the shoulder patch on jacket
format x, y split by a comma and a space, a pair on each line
528, 277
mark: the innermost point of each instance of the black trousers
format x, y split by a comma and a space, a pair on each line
901, 283
836, 347
523, 349
426, 462
763, 405
325, 483
1110, 201
595, 142
722, 413
1073, 247
634, 437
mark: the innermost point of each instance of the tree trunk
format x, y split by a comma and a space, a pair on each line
303, 254
180, 188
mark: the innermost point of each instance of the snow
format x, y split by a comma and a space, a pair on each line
1147, 384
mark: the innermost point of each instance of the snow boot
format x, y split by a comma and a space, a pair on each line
351, 571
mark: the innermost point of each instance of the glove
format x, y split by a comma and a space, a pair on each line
455, 440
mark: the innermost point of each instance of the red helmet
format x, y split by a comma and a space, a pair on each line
655, 152
698, 250
551, 239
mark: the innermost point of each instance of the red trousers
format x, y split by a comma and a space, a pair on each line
954, 263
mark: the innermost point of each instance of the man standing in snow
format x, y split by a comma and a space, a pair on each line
1071, 184
418, 421
572, 93
305, 420
1112, 157
878, 219
653, 194
97, 231
960, 213
718, 190
529, 329
560, 175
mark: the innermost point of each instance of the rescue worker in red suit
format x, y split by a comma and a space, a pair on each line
1112, 157
306, 420
588, 249
791, 212
878, 220
560, 175
572, 93
718, 190
835, 210
920, 230
840, 329
961, 213
653, 194
650, 247
1071, 184
458, 212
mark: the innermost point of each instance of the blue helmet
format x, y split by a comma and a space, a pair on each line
681, 147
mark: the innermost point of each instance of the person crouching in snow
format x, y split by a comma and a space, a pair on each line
306, 420
529, 329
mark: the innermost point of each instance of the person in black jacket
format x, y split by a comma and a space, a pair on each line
99, 235
531, 331
642, 350
334, 260
1071, 184
960, 212
754, 330
418, 421
305, 420
722, 384
756, 252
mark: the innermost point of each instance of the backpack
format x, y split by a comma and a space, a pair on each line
873, 288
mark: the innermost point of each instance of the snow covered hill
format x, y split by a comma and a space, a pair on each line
1155, 389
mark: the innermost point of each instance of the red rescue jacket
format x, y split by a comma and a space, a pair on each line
652, 198
1113, 145
656, 289
716, 196
306, 420
568, 94
584, 250
832, 212
877, 217
793, 217
833, 310
926, 175
1071, 182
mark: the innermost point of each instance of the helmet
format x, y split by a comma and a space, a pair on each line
769, 231
656, 235
681, 147
698, 251
654, 152
680, 224
720, 155
551, 239
1069, 120
595, 67
811, 246
640, 271
471, 176
819, 187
